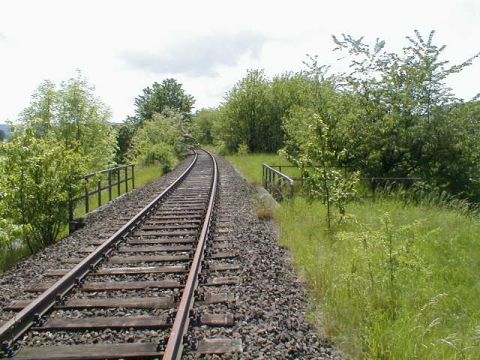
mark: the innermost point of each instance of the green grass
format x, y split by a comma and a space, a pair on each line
394, 280
251, 165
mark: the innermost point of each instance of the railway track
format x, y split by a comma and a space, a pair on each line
141, 281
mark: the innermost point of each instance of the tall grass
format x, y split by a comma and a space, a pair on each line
397, 279
394, 281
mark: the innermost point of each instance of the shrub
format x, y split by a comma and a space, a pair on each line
37, 177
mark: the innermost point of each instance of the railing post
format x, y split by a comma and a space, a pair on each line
118, 181
87, 207
126, 179
109, 186
99, 188
133, 176
264, 176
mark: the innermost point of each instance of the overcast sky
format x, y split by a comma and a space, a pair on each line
123, 46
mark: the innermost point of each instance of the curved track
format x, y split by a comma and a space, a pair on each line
151, 265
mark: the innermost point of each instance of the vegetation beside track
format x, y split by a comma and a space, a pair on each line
394, 280
13, 252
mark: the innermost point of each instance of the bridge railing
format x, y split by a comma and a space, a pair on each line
278, 184
100, 188
282, 186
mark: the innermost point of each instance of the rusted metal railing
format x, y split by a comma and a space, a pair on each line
277, 183
97, 183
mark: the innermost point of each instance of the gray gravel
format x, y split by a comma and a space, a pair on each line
271, 306
101, 223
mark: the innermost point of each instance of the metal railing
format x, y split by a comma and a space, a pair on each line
278, 184
282, 186
96, 184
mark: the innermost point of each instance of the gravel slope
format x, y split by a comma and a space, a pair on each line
270, 310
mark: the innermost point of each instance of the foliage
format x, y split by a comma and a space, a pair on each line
160, 141
247, 113
125, 132
396, 281
313, 153
160, 97
405, 120
203, 125
254, 108
38, 175
243, 149
73, 115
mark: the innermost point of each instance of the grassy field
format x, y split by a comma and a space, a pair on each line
394, 280
251, 165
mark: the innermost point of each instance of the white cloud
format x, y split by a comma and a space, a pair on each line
197, 56
207, 45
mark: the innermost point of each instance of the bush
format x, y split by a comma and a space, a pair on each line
243, 149
159, 142
37, 177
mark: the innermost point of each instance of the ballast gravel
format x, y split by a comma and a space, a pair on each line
100, 224
271, 303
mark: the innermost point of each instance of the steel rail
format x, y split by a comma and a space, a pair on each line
19, 324
174, 348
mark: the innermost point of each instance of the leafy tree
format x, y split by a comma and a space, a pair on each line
254, 108
308, 146
3, 136
404, 114
160, 97
37, 177
203, 124
247, 113
125, 133
74, 116
159, 142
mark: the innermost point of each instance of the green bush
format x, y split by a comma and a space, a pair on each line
159, 142
38, 175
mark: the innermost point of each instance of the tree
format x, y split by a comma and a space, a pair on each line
160, 97
125, 133
308, 146
247, 115
74, 116
405, 113
203, 124
159, 142
38, 175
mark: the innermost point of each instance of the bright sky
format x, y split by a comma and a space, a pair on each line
123, 46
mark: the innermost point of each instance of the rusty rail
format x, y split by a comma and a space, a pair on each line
174, 348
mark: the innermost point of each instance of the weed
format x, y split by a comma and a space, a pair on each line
264, 213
